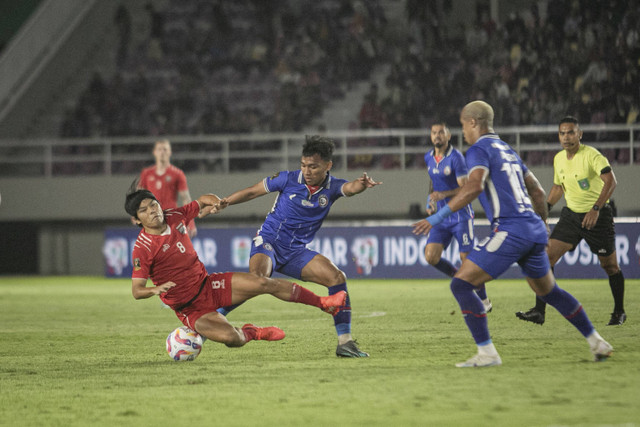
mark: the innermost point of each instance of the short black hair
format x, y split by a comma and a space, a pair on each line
320, 145
569, 119
133, 200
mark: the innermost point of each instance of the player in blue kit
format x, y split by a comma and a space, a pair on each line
515, 204
306, 195
448, 172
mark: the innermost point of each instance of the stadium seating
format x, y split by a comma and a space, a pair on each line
212, 67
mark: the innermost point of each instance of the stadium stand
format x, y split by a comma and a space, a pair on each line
210, 67
228, 67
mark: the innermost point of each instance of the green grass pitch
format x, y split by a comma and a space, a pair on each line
80, 351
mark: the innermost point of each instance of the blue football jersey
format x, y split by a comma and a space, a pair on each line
297, 214
444, 177
505, 198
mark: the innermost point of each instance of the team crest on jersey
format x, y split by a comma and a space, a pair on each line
136, 264
447, 171
323, 201
167, 178
268, 247
182, 229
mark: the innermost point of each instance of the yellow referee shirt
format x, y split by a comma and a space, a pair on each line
580, 177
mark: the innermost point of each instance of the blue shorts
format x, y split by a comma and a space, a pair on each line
444, 232
286, 260
498, 252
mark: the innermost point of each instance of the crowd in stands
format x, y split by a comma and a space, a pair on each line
579, 57
212, 66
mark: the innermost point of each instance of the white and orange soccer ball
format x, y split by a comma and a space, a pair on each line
184, 344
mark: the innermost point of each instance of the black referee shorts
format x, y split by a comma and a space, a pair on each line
601, 238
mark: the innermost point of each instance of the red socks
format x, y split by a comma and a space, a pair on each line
304, 296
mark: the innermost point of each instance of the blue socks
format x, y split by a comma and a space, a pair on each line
481, 292
570, 308
450, 270
472, 310
342, 320
446, 267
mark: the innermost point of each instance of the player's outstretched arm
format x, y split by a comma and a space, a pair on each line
245, 195
466, 195
140, 290
358, 185
209, 203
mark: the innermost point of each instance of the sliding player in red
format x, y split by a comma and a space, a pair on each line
164, 253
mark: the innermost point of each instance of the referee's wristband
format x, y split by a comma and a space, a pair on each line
439, 216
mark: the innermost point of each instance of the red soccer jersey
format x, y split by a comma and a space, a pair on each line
166, 186
171, 257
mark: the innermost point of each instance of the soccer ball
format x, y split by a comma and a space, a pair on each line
184, 344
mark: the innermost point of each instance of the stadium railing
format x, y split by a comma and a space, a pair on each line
383, 149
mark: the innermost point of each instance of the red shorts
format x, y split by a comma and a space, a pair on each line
216, 293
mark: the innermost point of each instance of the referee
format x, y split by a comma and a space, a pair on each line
585, 178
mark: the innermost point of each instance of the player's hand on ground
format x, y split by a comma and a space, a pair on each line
590, 219
161, 289
421, 227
